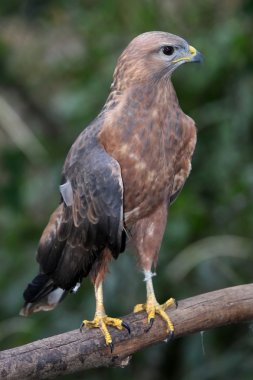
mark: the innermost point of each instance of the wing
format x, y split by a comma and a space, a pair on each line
89, 218
97, 206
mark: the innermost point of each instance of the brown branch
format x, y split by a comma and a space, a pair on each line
75, 351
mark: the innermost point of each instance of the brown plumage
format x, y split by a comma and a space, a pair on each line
120, 176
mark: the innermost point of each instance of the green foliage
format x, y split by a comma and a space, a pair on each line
56, 64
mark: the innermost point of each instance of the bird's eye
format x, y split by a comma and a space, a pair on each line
168, 50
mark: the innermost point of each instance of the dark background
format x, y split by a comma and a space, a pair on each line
56, 65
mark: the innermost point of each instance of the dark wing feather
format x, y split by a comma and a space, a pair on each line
97, 201
77, 233
87, 221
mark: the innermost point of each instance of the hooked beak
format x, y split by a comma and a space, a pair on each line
194, 56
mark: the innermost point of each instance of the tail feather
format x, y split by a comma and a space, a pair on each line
40, 286
41, 294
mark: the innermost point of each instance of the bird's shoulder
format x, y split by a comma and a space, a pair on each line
83, 145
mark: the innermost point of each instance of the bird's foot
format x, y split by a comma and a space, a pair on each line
102, 322
153, 308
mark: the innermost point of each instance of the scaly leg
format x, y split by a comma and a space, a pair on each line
152, 307
101, 320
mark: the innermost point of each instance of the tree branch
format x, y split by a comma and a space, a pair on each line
75, 351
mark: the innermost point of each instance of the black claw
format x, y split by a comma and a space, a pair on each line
151, 322
81, 327
111, 347
176, 303
171, 335
126, 326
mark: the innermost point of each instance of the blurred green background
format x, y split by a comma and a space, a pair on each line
56, 65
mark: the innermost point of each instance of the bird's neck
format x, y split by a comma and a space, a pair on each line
143, 96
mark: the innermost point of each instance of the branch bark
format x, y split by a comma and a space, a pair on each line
74, 351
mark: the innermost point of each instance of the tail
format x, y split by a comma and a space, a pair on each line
57, 277
41, 294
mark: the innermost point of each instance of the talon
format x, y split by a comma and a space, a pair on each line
126, 326
171, 335
176, 303
81, 327
102, 323
111, 345
152, 308
151, 322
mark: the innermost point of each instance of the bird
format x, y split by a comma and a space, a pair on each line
118, 181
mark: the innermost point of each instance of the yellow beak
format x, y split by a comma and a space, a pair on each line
194, 56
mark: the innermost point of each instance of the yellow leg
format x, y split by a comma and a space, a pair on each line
101, 320
152, 307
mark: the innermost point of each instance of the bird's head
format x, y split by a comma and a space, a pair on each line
152, 56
